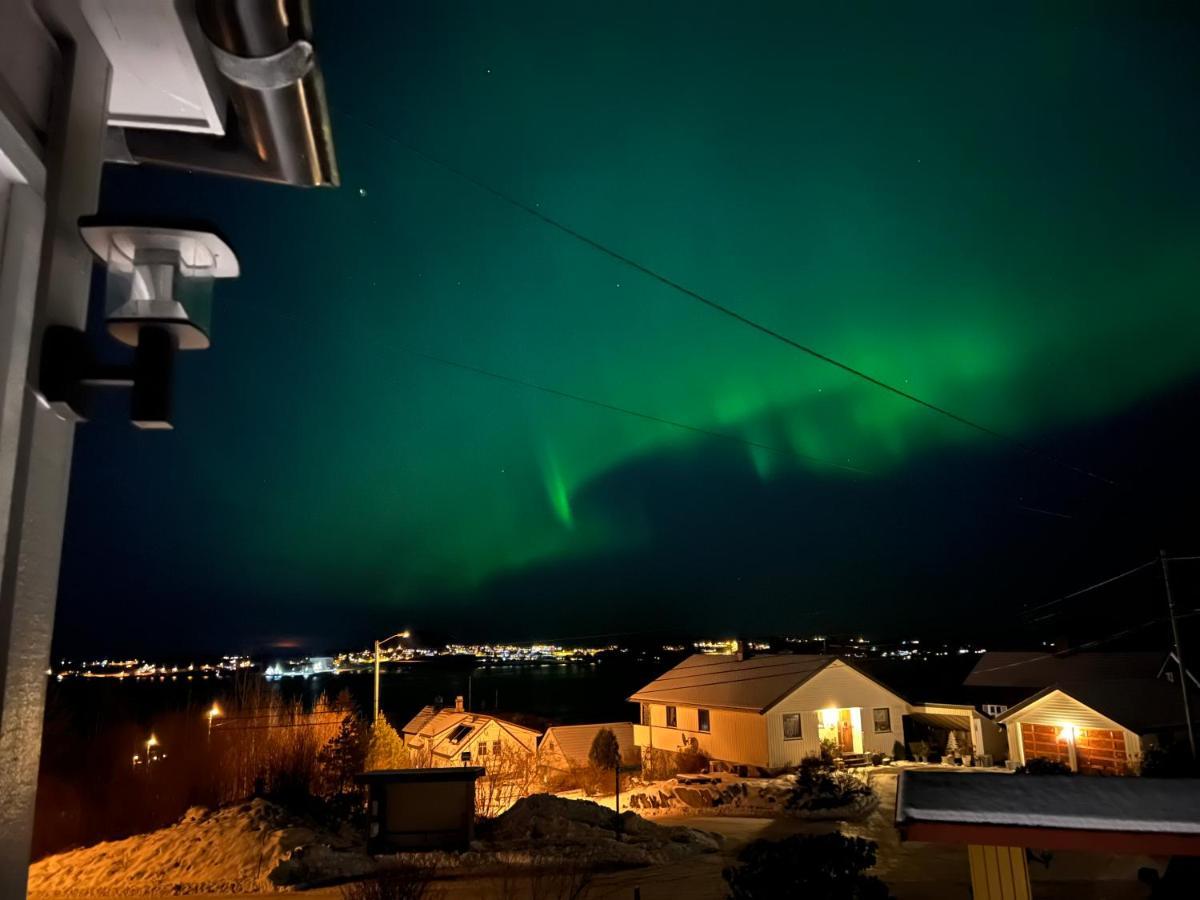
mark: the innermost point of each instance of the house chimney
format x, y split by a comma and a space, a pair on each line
458, 704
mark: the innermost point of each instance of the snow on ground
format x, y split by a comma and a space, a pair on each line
730, 795
553, 826
252, 846
258, 846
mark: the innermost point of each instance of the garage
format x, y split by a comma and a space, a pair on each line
1045, 742
1100, 751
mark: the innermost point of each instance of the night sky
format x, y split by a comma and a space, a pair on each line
997, 213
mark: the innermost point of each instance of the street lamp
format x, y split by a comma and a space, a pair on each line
212, 714
403, 635
151, 741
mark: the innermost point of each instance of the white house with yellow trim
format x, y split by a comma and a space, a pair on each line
768, 712
1101, 727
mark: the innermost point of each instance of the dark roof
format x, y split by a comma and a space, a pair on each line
1140, 705
1037, 669
1155, 805
731, 682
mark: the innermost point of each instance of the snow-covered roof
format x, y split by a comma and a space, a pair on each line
730, 682
1150, 805
575, 741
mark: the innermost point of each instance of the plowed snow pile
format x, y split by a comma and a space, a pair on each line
555, 826
254, 846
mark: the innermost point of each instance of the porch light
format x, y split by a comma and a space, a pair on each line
160, 277
1066, 732
829, 717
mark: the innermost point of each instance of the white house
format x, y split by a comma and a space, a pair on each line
769, 712
1100, 727
454, 737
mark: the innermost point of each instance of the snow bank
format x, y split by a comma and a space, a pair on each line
549, 826
253, 846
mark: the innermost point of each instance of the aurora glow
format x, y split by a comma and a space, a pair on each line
998, 215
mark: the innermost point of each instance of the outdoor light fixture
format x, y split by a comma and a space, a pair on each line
158, 300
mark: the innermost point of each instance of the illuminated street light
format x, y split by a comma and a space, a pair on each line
402, 635
212, 714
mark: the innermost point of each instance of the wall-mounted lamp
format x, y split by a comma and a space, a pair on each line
158, 300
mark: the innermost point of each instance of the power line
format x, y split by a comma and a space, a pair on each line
1088, 589
721, 308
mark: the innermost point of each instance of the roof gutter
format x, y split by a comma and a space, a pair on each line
280, 129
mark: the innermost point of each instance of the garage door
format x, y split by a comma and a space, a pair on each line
1101, 752
1043, 741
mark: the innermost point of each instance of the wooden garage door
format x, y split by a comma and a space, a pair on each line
1100, 752
1043, 741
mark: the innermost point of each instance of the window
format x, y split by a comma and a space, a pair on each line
496, 747
459, 733
993, 709
883, 719
645, 713
702, 721
671, 718
483, 748
791, 726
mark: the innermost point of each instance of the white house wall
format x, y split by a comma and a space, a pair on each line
837, 686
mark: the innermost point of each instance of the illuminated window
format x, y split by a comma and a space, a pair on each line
883, 719
791, 726
702, 722
671, 717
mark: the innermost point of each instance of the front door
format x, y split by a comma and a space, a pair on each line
845, 731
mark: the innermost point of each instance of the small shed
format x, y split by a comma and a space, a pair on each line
420, 809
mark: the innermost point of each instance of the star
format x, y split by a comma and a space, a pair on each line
362, 192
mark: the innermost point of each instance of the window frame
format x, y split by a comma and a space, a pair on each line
875, 711
672, 716
799, 735
704, 721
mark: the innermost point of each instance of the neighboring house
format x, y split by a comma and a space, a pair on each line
1101, 726
1000, 680
565, 748
454, 737
769, 712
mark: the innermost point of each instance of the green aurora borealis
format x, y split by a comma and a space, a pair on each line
998, 214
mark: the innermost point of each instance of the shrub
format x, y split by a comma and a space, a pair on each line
1171, 761
605, 752
820, 786
815, 867
414, 882
899, 751
1040, 765
385, 749
877, 759
342, 757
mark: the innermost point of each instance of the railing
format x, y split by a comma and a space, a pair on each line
663, 737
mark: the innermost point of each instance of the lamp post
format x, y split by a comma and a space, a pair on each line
403, 635
210, 715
